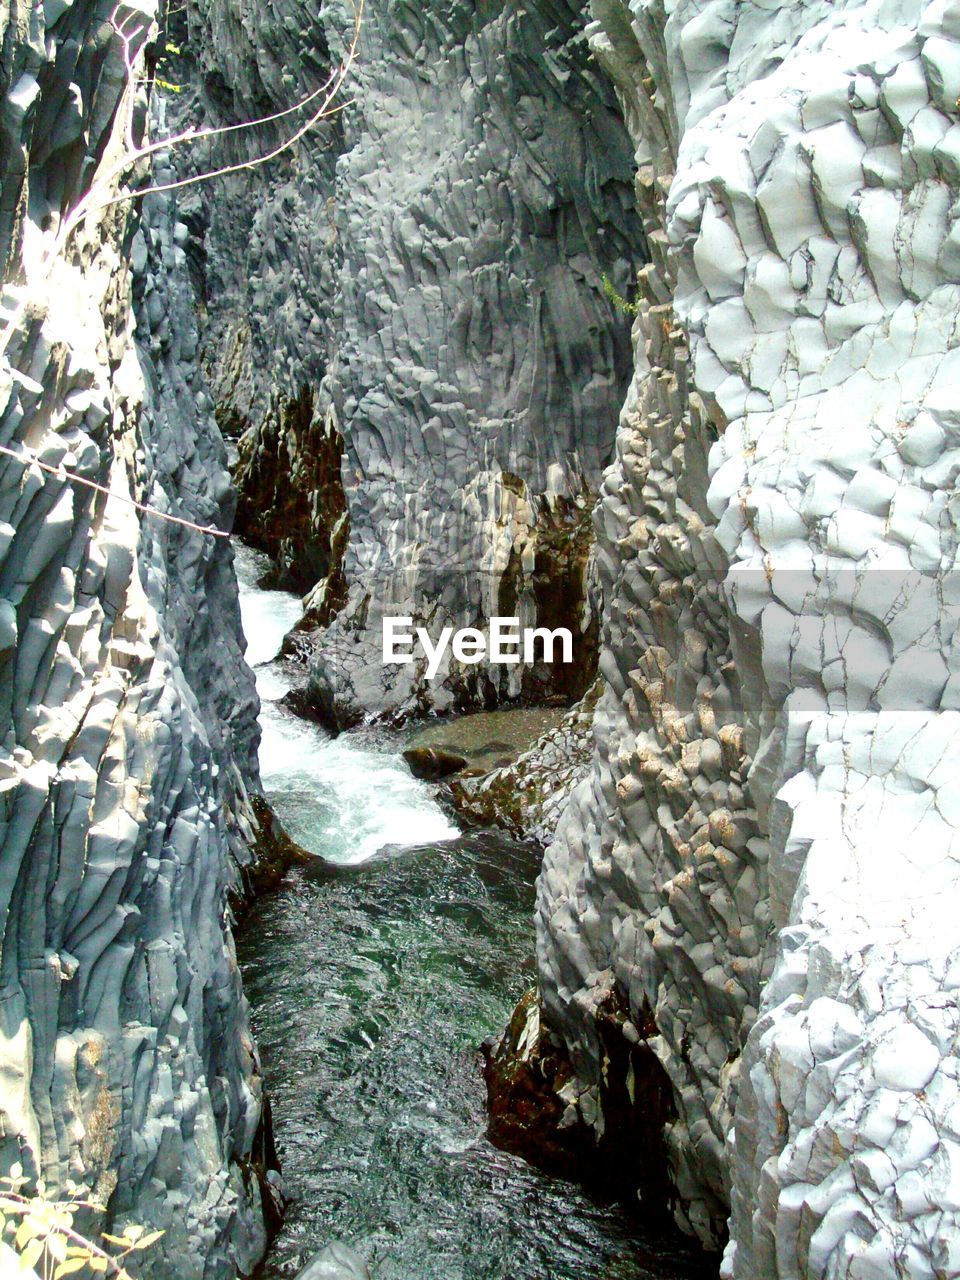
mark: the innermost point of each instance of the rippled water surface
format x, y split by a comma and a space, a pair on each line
371, 983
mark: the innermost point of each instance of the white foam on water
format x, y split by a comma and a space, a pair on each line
337, 798
267, 616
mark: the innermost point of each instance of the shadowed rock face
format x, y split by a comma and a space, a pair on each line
764, 856
292, 505
533, 1095
128, 718
431, 268
483, 193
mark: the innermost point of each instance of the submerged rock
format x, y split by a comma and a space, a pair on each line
335, 1262
471, 746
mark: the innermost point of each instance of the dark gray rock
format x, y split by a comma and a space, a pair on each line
433, 763
432, 270
127, 718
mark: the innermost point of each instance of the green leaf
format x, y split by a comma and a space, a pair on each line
150, 1238
69, 1267
57, 1246
31, 1255
26, 1231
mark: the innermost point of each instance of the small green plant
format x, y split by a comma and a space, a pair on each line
618, 300
41, 1232
170, 50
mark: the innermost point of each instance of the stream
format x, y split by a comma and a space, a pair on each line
372, 982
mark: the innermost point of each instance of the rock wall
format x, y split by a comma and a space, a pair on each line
262, 257
764, 857
431, 266
129, 735
528, 796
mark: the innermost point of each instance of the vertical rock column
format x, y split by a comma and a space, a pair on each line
654, 888
404, 322
765, 856
483, 192
128, 721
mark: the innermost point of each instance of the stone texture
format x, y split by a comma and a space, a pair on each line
764, 854
129, 736
756, 881
537, 1110
431, 267
527, 796
335, 1262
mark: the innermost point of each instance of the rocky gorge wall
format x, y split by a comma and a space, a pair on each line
128, 756
762, 865
428, 410
745, 920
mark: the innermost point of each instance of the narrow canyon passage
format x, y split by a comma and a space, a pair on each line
372, 987
631, 324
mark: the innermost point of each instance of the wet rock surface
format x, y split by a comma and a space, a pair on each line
612, 1136
526, 796
514, 769
486, 738
433, 763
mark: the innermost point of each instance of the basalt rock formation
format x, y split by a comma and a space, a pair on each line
746, 952
405, 322
763, 859
528, 796
128, 756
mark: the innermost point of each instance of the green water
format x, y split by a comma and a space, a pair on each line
371, 989
372, 981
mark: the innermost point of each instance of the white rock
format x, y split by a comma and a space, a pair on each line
905, 1059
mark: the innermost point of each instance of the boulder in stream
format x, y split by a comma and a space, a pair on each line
434, 763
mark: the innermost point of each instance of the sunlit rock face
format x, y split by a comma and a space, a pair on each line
128, 718
764, 857
428, 271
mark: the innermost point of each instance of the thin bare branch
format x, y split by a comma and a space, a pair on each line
134, 155
326, 110
130, 58
133, 41
238, 167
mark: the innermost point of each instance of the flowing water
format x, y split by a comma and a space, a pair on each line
372, 981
